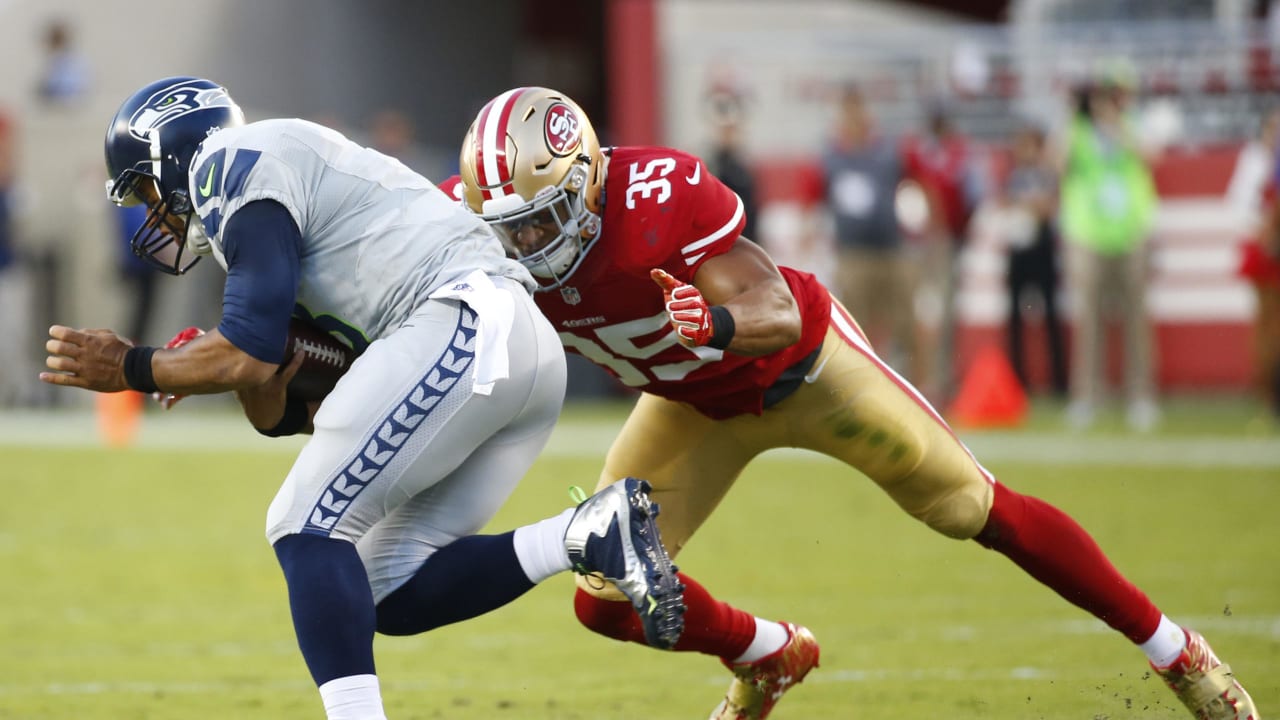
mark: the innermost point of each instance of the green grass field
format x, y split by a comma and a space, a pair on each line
137, 585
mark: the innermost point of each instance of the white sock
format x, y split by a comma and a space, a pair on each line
540, 547
769, 639
355, 697
1164, 646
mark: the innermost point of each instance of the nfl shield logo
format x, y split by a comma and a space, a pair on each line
570, 295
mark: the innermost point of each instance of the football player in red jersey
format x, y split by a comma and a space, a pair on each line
642, 269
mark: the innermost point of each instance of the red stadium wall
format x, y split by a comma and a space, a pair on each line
1208, 353
633, 64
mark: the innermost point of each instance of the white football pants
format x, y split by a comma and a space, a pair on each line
406, 457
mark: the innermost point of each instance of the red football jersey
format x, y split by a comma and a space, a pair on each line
662, 209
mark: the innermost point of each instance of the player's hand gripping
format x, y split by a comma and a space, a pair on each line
168, 400
687, 309
264, 405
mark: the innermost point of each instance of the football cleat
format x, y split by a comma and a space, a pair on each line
1206, 685
613, 534
759, 685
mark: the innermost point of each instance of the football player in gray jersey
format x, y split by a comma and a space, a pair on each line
457, 384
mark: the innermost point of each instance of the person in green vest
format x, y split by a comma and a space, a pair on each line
1107, 212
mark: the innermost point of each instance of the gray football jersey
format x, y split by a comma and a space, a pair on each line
377, 238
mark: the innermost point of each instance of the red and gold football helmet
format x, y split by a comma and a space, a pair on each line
531, 167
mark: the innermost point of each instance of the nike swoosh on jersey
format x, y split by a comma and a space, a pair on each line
207, 187
696, 177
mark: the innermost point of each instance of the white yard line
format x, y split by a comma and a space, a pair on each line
1041, 448
589, 438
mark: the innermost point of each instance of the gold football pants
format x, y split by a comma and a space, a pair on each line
851, 407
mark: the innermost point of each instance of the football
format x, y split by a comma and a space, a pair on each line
325, 360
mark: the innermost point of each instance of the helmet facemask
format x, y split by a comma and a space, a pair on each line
559, 213
161, 239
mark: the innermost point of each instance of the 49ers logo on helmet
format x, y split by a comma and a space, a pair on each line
562, 129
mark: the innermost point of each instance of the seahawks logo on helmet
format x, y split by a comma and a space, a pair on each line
174, 102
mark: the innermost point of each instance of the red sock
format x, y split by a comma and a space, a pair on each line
1054, 549
710, 626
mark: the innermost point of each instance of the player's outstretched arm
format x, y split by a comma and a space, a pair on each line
743, 284
101, 360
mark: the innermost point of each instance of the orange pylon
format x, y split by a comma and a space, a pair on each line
119, 415
990, 394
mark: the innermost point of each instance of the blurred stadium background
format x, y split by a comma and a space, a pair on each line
409, 76
138, 585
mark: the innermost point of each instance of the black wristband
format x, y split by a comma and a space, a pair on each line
295, 419
137, 369
721, 327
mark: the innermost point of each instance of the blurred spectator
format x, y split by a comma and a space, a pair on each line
725, 159
1108, 208
1255, 166
7, 160
17, 375
1252, 194
64, 79
862, 171
1028, 205
1261, 265
953, 177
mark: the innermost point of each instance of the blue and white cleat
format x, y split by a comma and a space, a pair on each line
613, 534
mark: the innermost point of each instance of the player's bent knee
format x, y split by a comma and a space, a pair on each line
960, 515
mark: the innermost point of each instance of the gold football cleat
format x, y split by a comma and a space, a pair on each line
1206, 685
758, 686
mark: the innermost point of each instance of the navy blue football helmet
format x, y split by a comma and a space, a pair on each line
149, 147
